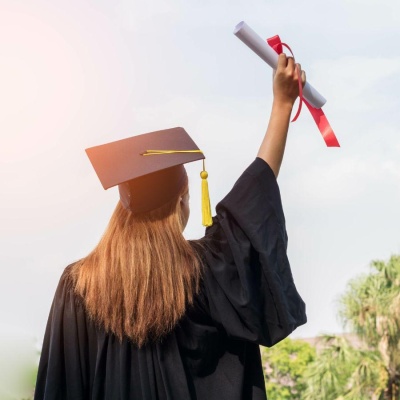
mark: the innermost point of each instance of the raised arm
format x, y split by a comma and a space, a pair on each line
286, 90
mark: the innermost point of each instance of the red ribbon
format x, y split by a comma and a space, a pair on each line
317, 113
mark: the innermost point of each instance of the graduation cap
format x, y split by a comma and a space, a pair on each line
148, 169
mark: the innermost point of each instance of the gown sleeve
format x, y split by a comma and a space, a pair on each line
248, 281
62, 368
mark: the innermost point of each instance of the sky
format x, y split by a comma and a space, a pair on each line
75, 74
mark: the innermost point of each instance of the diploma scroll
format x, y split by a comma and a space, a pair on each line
268, 54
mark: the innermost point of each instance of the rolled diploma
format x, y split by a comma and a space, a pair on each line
269, 55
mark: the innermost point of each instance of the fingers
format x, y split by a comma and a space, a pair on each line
287, 78
303, 78
285, 62
282, 61
290, 64
301, 73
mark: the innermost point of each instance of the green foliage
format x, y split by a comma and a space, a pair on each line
18, 366
343, 372
284, 365
370, 307
369, 370
371, 303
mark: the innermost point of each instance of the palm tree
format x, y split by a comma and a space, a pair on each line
371, 308
343, 372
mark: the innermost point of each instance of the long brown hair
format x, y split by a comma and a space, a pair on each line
142, 275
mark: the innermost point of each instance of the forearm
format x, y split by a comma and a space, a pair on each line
273, 145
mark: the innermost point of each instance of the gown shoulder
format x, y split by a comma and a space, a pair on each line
248, 280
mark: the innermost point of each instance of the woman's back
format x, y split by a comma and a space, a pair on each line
243, 297
246, 297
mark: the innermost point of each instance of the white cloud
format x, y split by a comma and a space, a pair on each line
357, 83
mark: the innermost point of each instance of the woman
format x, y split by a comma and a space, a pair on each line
149, 315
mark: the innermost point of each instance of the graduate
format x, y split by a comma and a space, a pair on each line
150, 315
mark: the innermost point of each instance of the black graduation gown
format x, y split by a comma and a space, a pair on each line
247, 298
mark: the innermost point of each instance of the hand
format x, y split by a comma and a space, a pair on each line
286, 80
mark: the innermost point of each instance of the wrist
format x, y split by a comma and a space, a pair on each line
282, 105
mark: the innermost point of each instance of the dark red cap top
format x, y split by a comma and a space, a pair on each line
146, 182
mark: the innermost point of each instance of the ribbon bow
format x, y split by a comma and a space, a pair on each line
317, 113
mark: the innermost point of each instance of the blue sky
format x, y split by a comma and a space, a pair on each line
81, 73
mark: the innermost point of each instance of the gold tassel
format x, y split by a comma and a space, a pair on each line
205, 196
205, 199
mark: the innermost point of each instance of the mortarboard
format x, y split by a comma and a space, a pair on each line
148, 169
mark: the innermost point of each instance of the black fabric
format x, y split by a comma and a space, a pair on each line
247, 298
